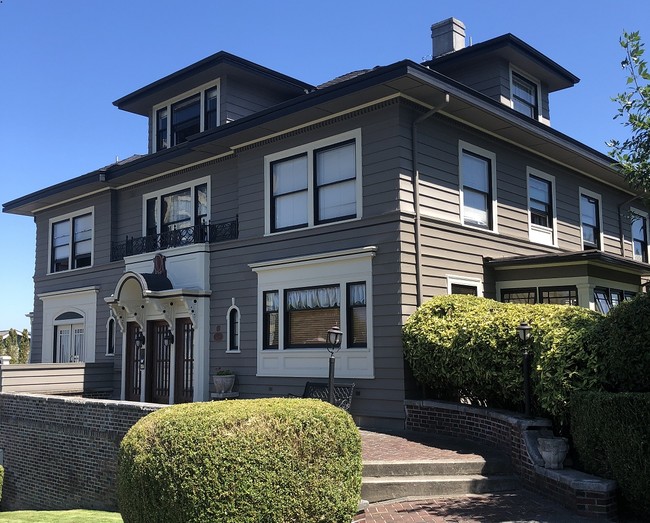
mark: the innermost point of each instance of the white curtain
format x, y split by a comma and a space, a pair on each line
320, 298
357, 294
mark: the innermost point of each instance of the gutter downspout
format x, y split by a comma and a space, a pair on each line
416, 195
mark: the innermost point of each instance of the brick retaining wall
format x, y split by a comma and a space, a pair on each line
516, 436
61, 452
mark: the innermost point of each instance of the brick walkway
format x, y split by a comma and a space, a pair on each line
519, 506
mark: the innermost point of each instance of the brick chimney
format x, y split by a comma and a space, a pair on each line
447, 36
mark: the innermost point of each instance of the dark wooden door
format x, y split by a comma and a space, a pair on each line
133, 385
158, 363
184, 361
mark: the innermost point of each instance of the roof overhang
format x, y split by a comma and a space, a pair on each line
515, 51
403, 79
593, 258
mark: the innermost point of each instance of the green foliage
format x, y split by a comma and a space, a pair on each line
622, 340
611, 435
17, 350
633, 154
59, 516
470, 346
2, 479
245, 461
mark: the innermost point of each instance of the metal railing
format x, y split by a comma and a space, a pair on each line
208, 233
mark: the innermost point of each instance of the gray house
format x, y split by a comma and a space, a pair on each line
268, 210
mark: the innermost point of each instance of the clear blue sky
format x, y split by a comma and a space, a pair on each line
63, 63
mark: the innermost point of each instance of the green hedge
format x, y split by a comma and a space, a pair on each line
2, 479
611, 438
622, 339
469, 346
258, 461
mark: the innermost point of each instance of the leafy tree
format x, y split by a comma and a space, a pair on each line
11, 346
633, 154
24, 346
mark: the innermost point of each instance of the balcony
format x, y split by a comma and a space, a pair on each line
208, 233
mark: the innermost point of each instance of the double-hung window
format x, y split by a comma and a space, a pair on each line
478, 181
71, 242
315, 184
524, 95
590, 220
180, 118
541, 204
639, 235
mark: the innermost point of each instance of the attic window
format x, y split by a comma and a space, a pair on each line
524, 96
178, 119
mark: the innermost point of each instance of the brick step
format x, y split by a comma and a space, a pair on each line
442, 467
375, 489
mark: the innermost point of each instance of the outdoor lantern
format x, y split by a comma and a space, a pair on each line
524, 331
139, 345
334, 336
168, 338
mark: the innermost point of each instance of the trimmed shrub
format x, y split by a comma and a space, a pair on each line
245, 461
2, 479
623, 341
469, 346
610, 437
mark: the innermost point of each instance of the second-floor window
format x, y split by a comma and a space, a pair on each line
71, 242
178, 208
524, 96
640, 235
590, 220
315, 184
541, 207
477, 179
182, 117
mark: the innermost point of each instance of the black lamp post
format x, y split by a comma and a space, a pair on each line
168, 338
334, 336
524, 332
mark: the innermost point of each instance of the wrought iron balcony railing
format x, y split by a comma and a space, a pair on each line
209, 233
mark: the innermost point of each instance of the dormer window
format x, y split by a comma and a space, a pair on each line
524, 93
179, 118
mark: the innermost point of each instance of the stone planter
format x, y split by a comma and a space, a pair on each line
553, 451
223, 382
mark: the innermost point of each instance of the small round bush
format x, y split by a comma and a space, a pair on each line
245, 461
623, 342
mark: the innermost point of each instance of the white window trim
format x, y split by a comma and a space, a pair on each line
168, 104
70, 216
233, 307
82, 301
537, 233
597, 197
175, 188
333, 268
464, 280
489, 155
533, 80
309, 149
642, 214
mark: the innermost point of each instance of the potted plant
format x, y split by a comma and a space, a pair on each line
223, 380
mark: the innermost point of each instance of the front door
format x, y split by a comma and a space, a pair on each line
184, 361
158, 363
133, 385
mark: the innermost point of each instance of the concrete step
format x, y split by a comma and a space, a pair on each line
442, 467
375, 489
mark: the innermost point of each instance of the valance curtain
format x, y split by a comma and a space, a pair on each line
318, 298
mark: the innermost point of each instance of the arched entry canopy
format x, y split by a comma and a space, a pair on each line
139, 297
